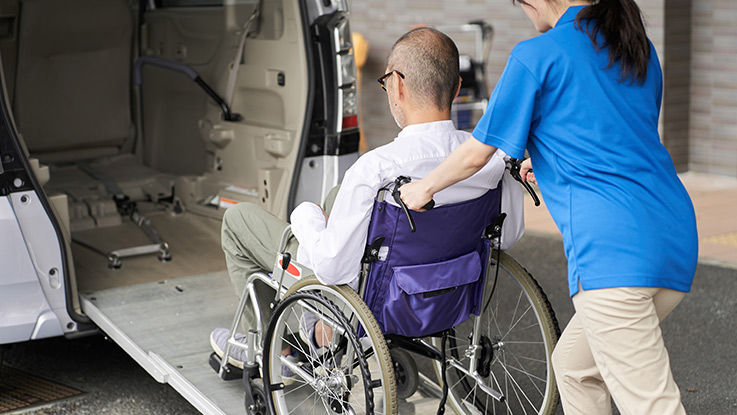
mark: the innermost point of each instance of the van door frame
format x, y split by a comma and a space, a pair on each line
16, 175
333, 149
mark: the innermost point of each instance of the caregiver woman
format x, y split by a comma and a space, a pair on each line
583, 98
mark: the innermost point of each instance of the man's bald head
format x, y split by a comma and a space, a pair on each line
429, 61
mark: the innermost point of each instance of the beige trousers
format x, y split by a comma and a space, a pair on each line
250, 240
613, 348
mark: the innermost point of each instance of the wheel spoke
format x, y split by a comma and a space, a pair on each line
518, 320
514, 314
303, 401
530, 358
529, 376
522, 342
303, 384
514, 383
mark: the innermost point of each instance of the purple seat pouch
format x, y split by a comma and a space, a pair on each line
432, 279
429, 298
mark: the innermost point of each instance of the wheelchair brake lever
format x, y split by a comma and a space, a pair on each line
514, 168
402, 180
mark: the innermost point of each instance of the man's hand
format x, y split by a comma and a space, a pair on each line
526, 173
415, 195
307, 211
324, 213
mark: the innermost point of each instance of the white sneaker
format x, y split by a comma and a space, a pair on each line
219, 340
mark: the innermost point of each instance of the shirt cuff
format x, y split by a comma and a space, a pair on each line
307, 221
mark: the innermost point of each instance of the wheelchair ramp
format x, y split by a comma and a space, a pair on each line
165, 326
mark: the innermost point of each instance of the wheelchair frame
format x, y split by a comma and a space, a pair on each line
534, 294
283, 280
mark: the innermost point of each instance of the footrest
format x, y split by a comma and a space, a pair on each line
229, 372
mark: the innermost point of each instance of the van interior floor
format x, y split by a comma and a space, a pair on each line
96, 220
165, 326
194, 244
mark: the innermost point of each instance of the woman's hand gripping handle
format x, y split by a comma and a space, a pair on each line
401, 184
521, 170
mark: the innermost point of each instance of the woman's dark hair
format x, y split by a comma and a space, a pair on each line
620, 21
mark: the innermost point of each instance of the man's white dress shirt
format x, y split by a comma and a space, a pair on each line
334, 250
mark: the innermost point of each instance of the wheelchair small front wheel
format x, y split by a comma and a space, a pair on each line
316, 359
405, 370
257, 404
517, 332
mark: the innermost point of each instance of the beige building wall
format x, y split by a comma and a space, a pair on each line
676, 61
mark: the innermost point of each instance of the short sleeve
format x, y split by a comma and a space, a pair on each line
659, 76
511, 110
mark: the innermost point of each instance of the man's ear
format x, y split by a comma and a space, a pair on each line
401, 89
458, 90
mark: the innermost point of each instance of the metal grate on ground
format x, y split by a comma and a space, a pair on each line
19, 389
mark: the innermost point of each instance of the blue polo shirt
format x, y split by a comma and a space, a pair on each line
608, 182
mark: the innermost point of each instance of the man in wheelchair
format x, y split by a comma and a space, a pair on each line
421, 82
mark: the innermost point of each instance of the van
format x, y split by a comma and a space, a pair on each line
127, 128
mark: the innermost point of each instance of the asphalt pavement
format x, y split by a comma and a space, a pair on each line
700, 335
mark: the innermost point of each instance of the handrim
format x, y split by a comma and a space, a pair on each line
365, 319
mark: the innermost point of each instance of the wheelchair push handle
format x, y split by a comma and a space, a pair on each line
514, 166
399, 182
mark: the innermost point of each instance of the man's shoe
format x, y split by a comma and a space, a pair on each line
219, 340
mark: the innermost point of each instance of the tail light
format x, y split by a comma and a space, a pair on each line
349, 99
334, 125
347, 108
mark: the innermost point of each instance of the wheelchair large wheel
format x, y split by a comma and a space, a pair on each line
353, 374
518, 332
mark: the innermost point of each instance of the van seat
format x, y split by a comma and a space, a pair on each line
72, 91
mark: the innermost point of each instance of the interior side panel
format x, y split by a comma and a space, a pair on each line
271, 92
172, 103
184, 132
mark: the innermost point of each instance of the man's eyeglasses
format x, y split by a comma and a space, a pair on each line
382, 79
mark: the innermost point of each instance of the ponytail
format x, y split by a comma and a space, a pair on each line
620, 22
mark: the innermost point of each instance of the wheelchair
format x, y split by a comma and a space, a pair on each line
433, 283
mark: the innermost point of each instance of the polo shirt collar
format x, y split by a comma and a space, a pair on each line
569, 15
444, 125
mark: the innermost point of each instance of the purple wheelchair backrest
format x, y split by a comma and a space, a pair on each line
432, 279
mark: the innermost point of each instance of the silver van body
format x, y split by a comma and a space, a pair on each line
126, 130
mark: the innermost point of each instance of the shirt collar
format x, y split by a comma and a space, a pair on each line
569, 15
444, 125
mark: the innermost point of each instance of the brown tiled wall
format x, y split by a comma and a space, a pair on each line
677, 81
713, 129
383, 21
